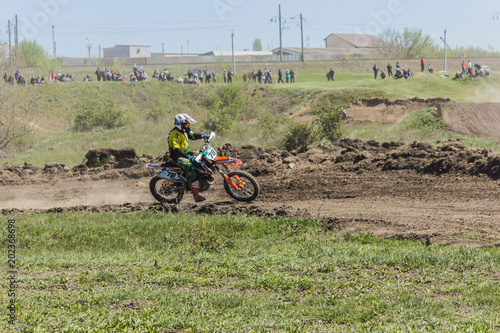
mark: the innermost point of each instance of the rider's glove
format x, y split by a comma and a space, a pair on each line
192, 158
205, 136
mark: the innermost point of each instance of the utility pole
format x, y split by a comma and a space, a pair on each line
16, 41
162, 48
54, 42
302, 37
232, 47
188, 48
281, 42
10, 47
99, 50
445, 46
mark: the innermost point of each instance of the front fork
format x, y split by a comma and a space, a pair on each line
226, 178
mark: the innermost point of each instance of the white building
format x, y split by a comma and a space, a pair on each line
127, 51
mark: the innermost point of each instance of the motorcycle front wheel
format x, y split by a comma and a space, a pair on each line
248, 188
166, 191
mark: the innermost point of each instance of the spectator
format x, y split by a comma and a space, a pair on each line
224, 74
375, 71
98, 73
230, 77
331, 75
292, 76
133, 78
280, 76
389, 70
287, 76
422, 65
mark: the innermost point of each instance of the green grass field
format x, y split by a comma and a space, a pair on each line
164, 272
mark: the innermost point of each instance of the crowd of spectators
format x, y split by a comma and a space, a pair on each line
471, 71
201, 76
20, 80
107, 75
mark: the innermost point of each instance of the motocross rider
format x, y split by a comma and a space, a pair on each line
178, 148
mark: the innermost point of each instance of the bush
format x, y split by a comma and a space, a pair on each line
329, 121
225, 106
425, 119
16, 118
97, 113
299, 135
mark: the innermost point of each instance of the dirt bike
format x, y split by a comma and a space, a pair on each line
347, 118
169, 185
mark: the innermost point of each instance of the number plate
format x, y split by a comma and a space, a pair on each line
210, 153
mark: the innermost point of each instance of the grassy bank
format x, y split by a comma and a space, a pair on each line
150, 272
146, 109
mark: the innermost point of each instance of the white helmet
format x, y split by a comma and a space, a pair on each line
182, 122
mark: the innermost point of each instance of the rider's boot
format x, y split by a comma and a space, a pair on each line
195, 188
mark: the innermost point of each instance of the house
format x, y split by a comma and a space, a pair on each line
357, 41
127, 51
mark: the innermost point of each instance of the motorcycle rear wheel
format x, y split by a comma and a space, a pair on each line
165, 191
248, 188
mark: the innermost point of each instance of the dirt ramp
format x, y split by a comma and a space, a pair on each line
480, 119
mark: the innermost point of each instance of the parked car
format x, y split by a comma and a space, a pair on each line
486, 70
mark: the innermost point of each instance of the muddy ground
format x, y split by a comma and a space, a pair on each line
447, 194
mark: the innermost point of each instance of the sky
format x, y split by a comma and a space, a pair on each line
200, 26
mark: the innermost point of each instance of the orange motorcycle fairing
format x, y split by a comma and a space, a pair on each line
230, 160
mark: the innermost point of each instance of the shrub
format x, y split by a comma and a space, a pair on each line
299, 135
16, 118
425, 119
329, 121
97, 113
225, 106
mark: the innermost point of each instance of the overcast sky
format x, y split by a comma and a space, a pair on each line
206, 25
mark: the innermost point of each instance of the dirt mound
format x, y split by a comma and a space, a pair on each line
347, 155
385, 111
479, 119
358, 156
101, 164
451, 157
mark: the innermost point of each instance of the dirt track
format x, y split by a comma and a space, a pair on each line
448, 194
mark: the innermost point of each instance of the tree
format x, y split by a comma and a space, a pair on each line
257, 45
16, 117
31, 53
410, 43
